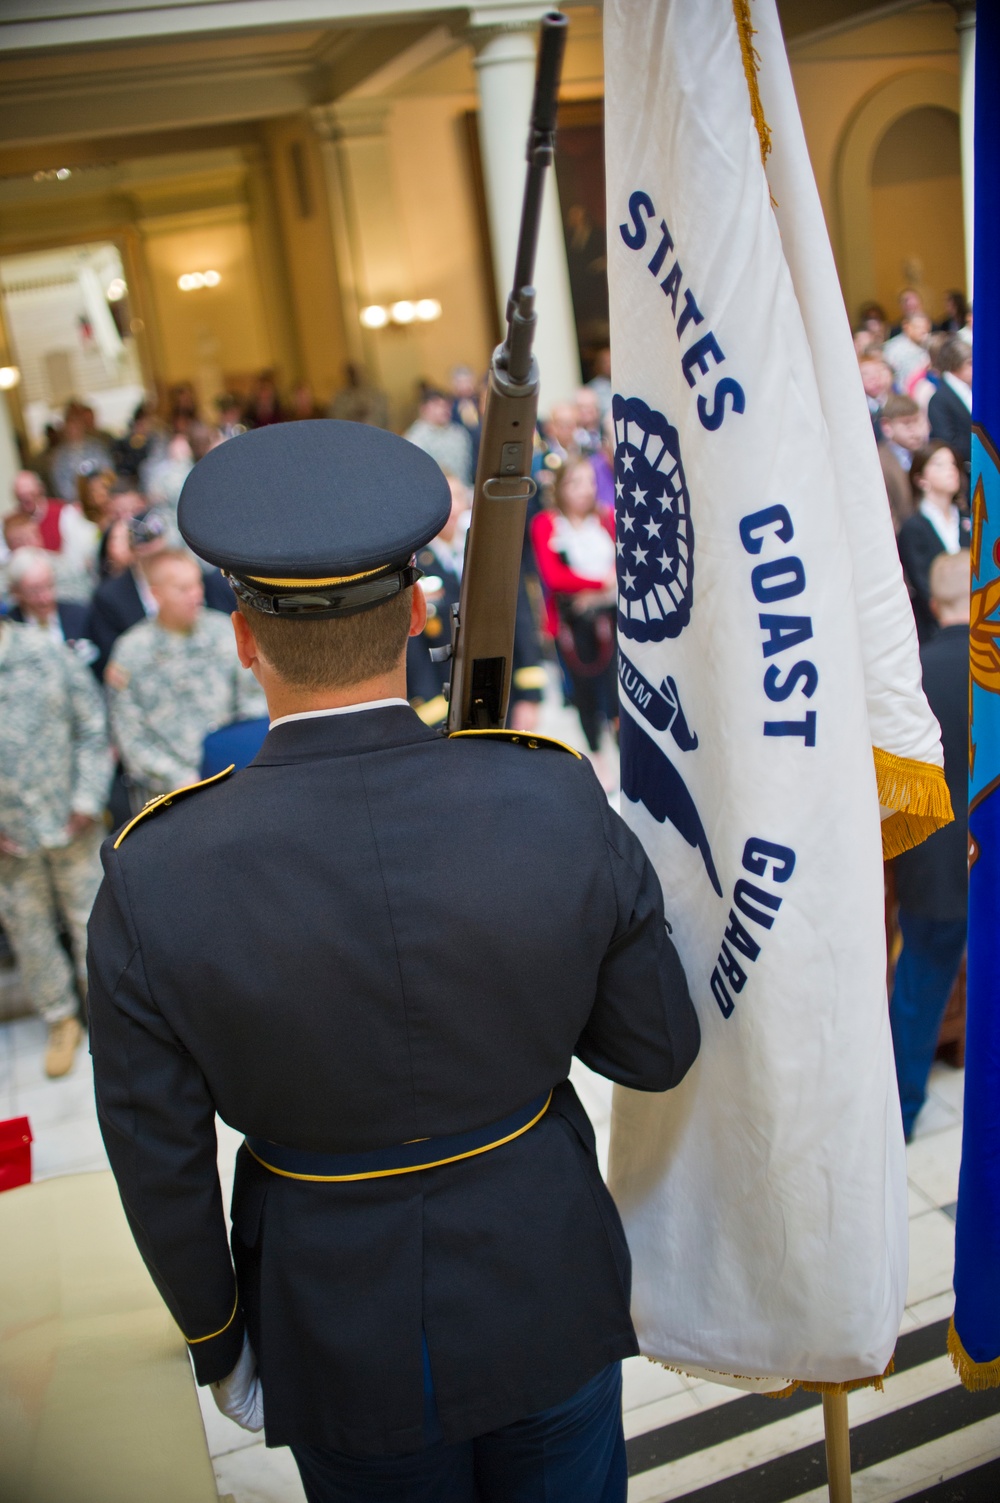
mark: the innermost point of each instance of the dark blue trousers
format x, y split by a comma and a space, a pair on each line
925, 974
571, 1453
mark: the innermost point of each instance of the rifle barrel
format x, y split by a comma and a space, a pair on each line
541, 144
483, 627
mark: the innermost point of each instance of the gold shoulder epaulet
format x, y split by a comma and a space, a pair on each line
166, 799
522, 738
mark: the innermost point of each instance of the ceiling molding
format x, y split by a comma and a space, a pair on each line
228, 87
29, 25
432, 47
141, 104
107, 151
373, 52
863, 15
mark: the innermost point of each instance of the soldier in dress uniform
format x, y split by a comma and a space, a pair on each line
55, 771
173, 679
426, 1293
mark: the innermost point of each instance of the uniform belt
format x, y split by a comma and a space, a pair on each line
407, 1158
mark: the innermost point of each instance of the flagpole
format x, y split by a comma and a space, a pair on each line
838, 1446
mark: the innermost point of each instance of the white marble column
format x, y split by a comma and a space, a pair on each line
373, 259
966, 28
505, 70
10, 458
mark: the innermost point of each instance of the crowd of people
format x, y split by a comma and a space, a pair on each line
917, 377
113, 631
119, 679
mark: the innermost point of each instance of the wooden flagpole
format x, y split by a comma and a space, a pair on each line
838, 1447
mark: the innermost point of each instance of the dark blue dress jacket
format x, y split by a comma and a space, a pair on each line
370, 935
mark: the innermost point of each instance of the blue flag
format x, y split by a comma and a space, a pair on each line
974, 1340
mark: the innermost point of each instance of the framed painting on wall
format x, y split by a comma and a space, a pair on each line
580, 177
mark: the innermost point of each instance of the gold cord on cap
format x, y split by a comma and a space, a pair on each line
312, 584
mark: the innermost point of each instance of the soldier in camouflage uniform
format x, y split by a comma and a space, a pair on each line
55, 770
174, 678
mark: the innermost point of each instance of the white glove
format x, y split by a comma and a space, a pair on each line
239, 1396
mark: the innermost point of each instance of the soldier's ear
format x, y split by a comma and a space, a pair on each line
418, 611
246, 647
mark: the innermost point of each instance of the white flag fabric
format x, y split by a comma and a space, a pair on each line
766, 647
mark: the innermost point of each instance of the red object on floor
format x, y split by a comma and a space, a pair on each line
15, 1153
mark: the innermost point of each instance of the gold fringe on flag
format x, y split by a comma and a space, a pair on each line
875, 1381
975, 1376
919, 795
751, 60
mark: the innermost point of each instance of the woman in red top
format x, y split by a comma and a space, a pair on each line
575, 552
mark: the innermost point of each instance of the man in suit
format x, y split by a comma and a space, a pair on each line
431, 1285
932, 880
32, 583
904, 431
876, 378
126, 599
950, 408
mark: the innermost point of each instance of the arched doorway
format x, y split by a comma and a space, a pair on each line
917, 233
908, 94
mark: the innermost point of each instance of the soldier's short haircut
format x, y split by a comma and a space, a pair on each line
898, 406
337, 653
152, 565
951, 577
24, 560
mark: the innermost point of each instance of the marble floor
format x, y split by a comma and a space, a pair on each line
688, 1439
678, 1447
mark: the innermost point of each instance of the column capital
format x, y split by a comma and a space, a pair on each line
965, 14
503, 18
350, 119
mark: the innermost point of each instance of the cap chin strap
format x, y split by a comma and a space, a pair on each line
310, 601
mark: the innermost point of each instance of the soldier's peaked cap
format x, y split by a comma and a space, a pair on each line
318, 518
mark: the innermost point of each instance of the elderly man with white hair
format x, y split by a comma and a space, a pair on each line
65, 534
31, 584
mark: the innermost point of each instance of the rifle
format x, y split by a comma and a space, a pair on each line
482, 640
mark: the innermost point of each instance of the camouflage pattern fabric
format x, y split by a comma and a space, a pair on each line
168, 689
32, 889
54, 754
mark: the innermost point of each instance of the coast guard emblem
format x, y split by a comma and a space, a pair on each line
655, 542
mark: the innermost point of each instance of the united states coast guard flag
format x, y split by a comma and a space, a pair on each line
771, 702
974, 1340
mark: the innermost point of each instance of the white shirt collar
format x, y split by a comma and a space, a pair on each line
146, 595
948, 528
961, 389
369, 704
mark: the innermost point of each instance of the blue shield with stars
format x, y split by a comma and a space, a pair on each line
655, 539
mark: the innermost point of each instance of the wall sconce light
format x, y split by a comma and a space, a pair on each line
10, 377
424, 311
193, 279
53, 174
374, 316
116, 290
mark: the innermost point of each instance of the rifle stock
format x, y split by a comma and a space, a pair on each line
483, 627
